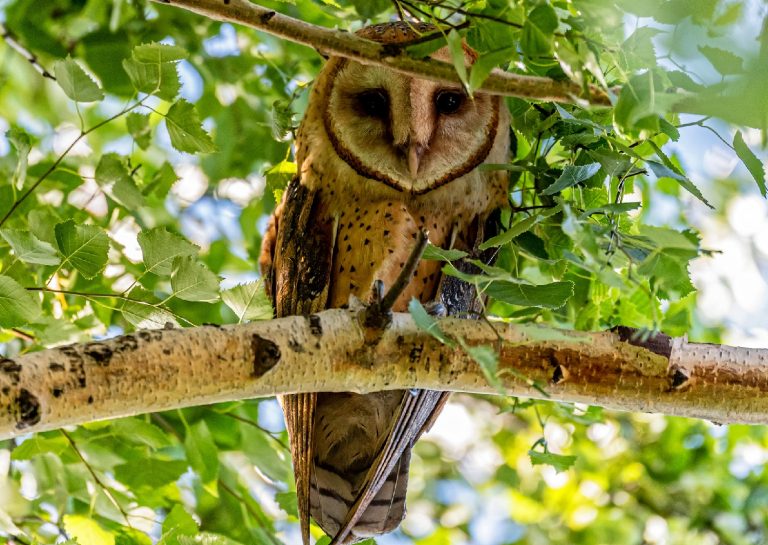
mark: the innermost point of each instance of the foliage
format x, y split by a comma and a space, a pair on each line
136, 183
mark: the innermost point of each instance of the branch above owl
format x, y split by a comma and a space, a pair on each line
158, 370
348, 45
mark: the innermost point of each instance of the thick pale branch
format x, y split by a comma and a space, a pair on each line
351, 46
331, 351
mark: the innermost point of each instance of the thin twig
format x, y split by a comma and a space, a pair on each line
96, 478
61, 157
11, 40
404, 278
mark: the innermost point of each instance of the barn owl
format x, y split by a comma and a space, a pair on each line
381, 156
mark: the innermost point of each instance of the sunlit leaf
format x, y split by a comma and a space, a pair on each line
75, 83
84, 247
248, 301
29, 248
191, 280
754, 165
185, 129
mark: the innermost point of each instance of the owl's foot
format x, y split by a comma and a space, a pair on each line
379, 313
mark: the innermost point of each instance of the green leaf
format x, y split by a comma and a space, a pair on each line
140, 431
519, 227
725, 62
85, 247
282, 119
23, 145
30, 249
427, 323
37, 444
456, 48
488, 360
75, 83
87, 531
368, 9
185, 130
248, 301
485, 63
437, 253
572, 175
161, 80
280, 174
152, 69
538, 31
641, 101
558, 461
145, 315
138, 126
553, 295
149, 472
112, 175
754, 165
179, 522
157, 53
202, 453
160, 247
288, 502
663, 171
191, 280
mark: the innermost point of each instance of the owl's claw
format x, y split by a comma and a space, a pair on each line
379, 313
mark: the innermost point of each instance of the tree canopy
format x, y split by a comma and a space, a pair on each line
143, 147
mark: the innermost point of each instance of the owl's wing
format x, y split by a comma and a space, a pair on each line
420, 408
296, 260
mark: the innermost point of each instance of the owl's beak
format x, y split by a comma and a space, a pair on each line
415, 151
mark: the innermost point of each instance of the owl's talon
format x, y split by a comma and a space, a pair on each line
379, 313
436, 309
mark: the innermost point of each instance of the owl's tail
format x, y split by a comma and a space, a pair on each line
331, 497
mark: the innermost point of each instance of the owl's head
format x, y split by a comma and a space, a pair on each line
409, 133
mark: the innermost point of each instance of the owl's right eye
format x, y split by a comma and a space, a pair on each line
374, 103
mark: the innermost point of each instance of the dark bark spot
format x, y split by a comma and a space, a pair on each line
27, 408
315, 327
90, 400
99, 352
265, 18
167, 351
679, 378
266, 354
295, 345
126, 343
658, 343
56, 367
57, 392
558, 375
415, 353
11, 368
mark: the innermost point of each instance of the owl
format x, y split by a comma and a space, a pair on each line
381, 156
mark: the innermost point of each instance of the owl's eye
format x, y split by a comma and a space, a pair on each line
448, 102
374, 103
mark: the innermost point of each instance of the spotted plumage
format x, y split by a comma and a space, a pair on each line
381, 156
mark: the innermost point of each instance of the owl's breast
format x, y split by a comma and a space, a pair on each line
373, 242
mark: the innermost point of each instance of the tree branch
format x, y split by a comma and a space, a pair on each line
351, 46
159, 370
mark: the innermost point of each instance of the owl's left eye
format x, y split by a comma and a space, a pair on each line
374, 103
448, 102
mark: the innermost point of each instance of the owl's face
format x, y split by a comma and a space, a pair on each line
411, 134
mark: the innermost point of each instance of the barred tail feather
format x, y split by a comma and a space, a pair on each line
331, 497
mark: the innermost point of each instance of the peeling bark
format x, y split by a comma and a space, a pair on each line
158, 370
351, 46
